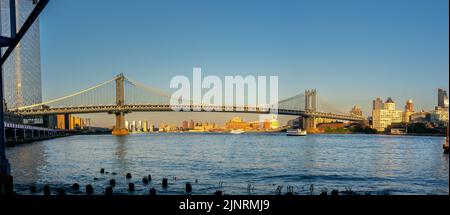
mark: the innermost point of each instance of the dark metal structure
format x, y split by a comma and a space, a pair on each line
6, 180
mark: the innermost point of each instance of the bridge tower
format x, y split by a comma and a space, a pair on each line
119, 128
310, 106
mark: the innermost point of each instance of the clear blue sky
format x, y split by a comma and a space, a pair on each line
350, 51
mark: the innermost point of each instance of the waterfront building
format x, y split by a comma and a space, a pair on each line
75, 123
269, 122
203, 127
161, 126
22, 70
60, 121
209, 125
254, 125
237, 123
439, 116
69, 122
442, 98
168, 128
399, 128
266, 124
356, 110
191, 124
409, 110
420, 117
274, 124
384, 117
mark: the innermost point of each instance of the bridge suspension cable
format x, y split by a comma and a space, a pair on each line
66, 99
147, 88
296, 102
138, 93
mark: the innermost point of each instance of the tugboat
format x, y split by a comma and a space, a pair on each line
296, 132
445, 145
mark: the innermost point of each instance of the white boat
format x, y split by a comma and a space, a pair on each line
238, 131
296, 132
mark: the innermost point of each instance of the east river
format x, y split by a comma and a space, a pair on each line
235, 164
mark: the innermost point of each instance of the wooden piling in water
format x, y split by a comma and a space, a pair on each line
164, 183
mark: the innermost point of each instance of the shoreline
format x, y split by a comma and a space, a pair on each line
271, 132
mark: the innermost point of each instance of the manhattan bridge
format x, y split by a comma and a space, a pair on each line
121, 95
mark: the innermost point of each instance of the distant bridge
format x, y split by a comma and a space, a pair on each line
121, 95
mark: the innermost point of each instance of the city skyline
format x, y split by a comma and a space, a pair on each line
105, 120
405, 50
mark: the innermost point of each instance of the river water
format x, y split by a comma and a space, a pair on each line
235, 164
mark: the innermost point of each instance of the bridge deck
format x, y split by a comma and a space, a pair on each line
187, 108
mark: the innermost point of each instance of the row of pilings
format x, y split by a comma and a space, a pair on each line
109, 190
89, 189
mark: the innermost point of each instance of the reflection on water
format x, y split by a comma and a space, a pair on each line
121, 151
379, 164
31, 159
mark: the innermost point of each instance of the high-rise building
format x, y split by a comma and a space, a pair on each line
69, 122
127, 125
133, 126
377, 104
22, 69
139, 126
151, 128
384, 117
191, 124
145, 126
60, 121
442, 98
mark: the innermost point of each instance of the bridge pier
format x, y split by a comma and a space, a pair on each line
120, 129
